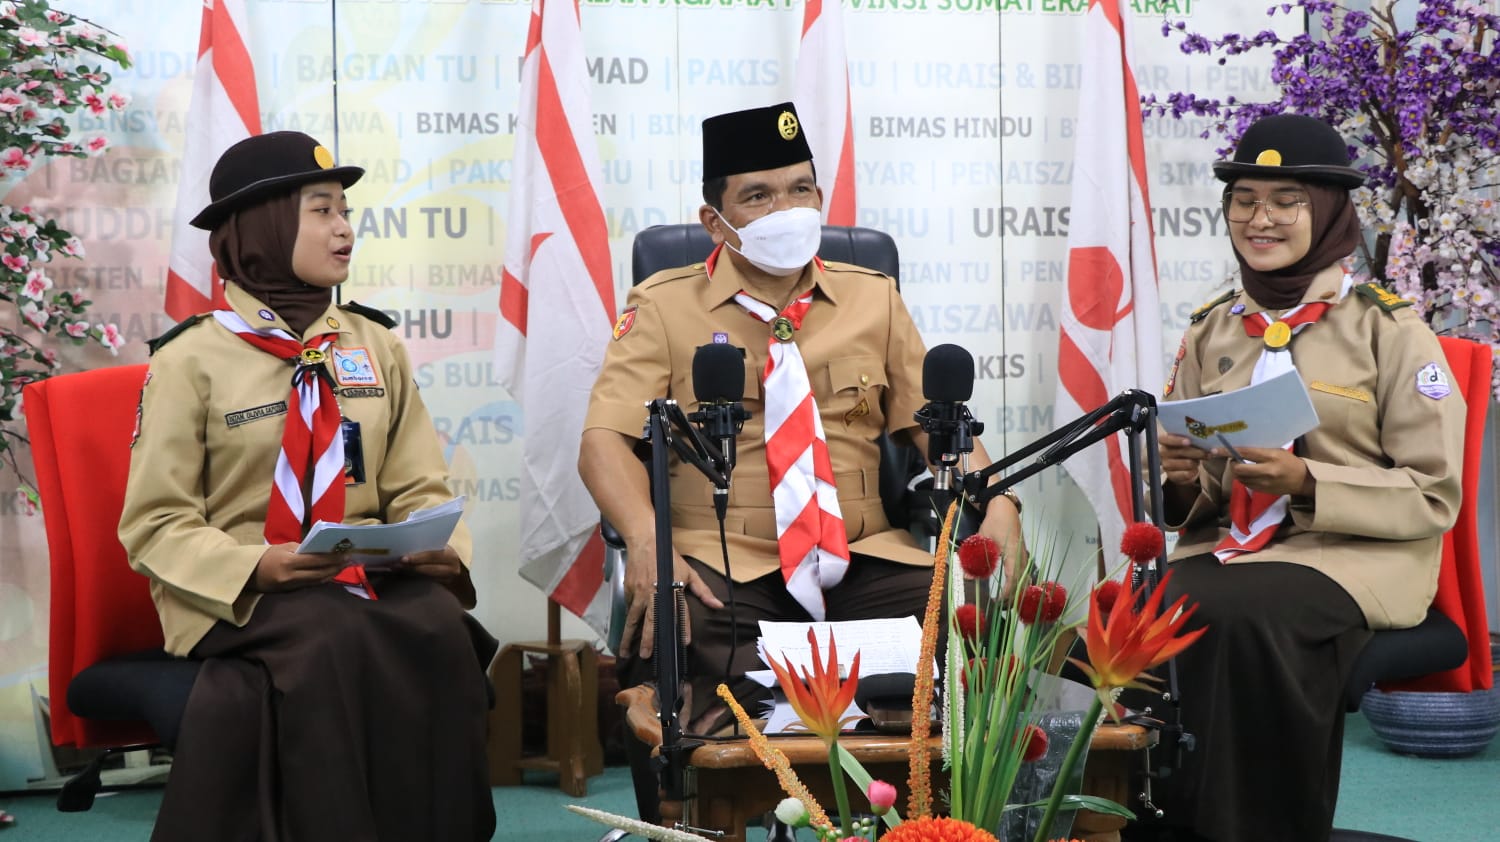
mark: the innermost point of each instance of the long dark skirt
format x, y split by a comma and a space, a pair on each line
1263, 693
333, 717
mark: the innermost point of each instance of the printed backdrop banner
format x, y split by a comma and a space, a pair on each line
964, 117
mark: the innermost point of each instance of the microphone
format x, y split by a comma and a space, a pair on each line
947, 382
719, 387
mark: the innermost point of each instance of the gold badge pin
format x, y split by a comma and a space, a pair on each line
1268, 158
1278, 334
782, 329
323, 157
787, 125
333, 323
312, 356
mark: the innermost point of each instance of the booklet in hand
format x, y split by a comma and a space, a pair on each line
1271, 413
382, 544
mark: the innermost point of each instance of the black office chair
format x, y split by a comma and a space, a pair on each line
663, 247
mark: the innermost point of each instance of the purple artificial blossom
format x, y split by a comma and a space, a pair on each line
1420, 108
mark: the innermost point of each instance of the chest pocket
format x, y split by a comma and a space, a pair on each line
857, 391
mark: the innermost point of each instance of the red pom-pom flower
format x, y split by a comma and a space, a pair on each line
970, 622
1044, 602
1108, 593
978, 555
1036, 744
1142, 542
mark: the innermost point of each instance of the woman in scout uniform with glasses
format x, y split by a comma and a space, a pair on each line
1294, 554
334, 702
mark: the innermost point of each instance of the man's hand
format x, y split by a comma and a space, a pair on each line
443, 565
1002, 524
640, 593
1180, 458
1272, 470
282, 568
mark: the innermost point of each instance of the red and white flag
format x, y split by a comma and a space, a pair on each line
223, 111
1110, 337
559, 285
822, 98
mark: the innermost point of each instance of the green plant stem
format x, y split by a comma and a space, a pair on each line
1075, 751
840, 789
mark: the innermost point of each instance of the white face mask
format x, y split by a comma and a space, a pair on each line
780, 243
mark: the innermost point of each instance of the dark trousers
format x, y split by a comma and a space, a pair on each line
1263, 693
723, 641
328, 717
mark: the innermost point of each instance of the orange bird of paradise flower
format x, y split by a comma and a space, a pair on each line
1123, 643
819, 698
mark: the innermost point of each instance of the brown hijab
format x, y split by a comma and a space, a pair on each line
1335, 233
253, 248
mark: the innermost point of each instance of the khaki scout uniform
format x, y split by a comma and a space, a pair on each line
864, 360
211, 418
1386, 457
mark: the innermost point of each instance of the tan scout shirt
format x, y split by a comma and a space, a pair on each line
864, 359
1386, 457
211, 418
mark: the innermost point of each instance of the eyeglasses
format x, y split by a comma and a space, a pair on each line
1280, 210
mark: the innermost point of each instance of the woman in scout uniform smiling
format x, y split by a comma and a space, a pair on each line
1295, 554
333, 702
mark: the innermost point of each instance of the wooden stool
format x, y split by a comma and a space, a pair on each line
729, 788
573, 748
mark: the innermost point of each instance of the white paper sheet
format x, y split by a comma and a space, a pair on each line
1268, 414
380, 544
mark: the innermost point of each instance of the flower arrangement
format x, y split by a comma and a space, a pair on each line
1421, 106
52, 64
999, 649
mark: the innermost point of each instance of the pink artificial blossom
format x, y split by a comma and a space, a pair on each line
34, 315
882, 797
55, 16
10, 100
97, 144
77, 330
31, 37
37, 284
118, 101
15, 262
14, 159
95, 103
109, 336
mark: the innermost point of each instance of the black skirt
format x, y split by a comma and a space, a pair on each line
1263, 693
328, 716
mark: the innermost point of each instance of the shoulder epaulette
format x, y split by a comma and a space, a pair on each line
695, 270
1383, 298
1201, 312
377, 316
840, 266
156, 344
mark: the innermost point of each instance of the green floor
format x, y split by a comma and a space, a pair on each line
1426, 800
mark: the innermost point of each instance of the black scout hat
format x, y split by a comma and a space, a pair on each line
260, 166
750, 141
1291, 146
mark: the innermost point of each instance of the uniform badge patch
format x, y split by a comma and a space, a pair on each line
721, 338
267, 315
859, 411
353, 367
1432, 381
624, 323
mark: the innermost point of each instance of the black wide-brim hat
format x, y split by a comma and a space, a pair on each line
259, 167
1291, 146
751, 141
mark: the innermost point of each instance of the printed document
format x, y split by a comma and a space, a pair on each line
381, 544
1269, 414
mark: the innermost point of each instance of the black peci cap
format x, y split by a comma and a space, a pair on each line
750, 141
1291, 146
260, 166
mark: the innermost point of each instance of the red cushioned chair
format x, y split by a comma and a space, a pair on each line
1450, 650
121, 690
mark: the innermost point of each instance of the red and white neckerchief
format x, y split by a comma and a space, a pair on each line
312, 440
1254, 516
810, 537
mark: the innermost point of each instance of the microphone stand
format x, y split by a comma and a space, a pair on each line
1133, 412
668, 431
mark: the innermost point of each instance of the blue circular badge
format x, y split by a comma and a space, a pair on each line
267, 315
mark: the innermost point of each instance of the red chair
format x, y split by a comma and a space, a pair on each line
111, 684
1450, 650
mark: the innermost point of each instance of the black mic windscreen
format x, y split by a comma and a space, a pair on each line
947, 374
719, 374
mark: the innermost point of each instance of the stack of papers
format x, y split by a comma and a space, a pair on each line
883, 645
382, 544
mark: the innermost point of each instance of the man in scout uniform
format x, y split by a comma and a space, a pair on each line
1295, 553
831, 358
